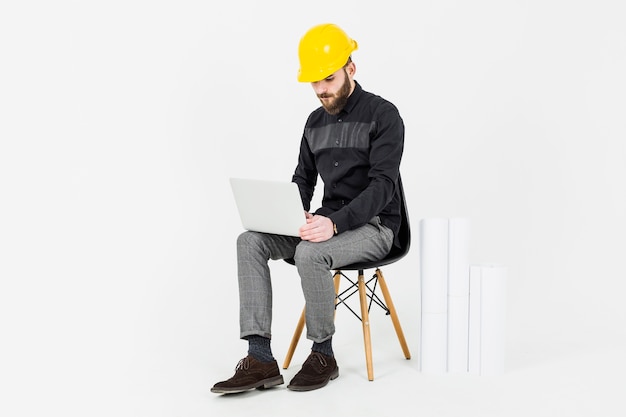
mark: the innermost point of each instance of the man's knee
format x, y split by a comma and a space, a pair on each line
307, 252
250, 240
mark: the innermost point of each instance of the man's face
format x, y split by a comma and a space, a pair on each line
334, 90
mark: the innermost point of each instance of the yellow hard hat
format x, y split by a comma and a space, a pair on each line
323, 50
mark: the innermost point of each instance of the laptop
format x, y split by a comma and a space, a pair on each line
268, 206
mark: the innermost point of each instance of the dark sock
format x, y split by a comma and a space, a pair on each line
259, 348
326, 347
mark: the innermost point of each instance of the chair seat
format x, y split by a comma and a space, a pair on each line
394, 255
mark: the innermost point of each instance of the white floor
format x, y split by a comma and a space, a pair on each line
165, 364
542, 379
156, 349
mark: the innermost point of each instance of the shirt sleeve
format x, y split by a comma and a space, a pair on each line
305, 174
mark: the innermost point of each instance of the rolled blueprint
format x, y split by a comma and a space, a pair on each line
458, 293
458, 333
458, 253
434, 293
473, 357
433, 348
487, 328
434, 265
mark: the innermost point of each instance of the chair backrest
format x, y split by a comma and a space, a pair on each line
404, 236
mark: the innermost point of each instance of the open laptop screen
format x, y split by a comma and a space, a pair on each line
268, 206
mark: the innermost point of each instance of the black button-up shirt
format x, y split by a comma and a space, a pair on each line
357, 154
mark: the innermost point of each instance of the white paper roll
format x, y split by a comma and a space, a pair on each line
458, 333
458, 256
473, 365
433, 347
434, 265
488, 324
458, 293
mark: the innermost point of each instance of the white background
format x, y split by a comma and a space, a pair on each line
121, 121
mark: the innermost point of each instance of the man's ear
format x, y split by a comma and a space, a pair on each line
351, 69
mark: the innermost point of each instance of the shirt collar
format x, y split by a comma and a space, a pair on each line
354, 98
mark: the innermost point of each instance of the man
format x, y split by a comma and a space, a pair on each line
354, 141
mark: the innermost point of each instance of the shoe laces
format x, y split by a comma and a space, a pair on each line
243, 364
321, 359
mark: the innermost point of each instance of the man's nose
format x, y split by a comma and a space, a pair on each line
319, 88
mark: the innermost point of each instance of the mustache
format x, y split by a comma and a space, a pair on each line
324, 95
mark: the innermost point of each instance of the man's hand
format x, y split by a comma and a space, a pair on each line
317, 228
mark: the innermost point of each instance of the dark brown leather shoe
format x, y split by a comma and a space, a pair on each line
250, 374
316, 371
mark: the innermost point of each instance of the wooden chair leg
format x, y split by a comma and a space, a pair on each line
365, 320
294, 340
393, 314
337, 280
300, 326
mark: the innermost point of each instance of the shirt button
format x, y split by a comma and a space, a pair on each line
337, 142
336, 163
339, 120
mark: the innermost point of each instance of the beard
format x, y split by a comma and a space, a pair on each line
338, 100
